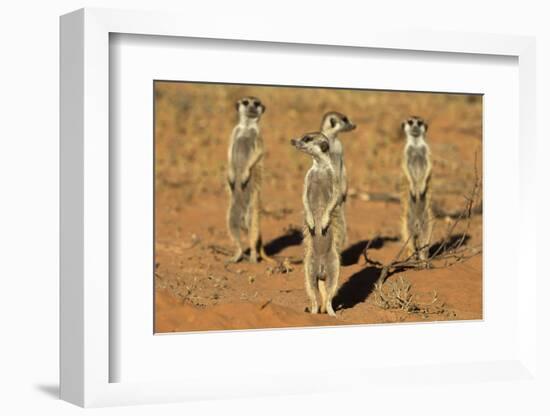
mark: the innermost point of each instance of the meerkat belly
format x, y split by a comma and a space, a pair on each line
242, 150
319, 195
417, 162
418, 215
418, 209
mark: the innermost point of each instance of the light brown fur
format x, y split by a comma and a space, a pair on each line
323, 226
244, 179
316, 289
417, 219
416, 224
332, 125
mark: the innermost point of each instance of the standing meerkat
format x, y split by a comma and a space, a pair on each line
244, 177
417, 167
334, 123
322, 230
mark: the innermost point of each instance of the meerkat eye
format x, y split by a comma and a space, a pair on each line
307, 139
245, 102
324, 146
410, 122
345, 119
256, 103
420, 122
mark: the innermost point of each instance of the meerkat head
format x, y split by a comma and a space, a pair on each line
336, 122
250, 108
414, 127
314, 144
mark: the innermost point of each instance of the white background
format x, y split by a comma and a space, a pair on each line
136, 61
29, 209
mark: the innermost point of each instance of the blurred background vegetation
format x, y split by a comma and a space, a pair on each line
194, 121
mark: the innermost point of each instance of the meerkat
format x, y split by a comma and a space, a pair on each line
321, 196
417, 167
244, 178
332, 124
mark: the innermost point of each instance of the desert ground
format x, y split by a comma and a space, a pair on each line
195, 290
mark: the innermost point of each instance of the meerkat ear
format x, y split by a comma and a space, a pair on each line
263, 108
332, 122
402, 125
324, 147
237, 106
426, 126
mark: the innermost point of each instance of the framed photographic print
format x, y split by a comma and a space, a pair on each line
235, 207
206, 278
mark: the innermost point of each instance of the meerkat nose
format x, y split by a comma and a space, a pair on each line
293, 142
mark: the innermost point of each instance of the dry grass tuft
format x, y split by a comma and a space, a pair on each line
398, 295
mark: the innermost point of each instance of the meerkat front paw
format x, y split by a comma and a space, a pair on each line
422, 193
245, 179
310, 225
325, 222
231, 180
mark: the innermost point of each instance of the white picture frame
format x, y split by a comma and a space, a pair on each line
85, 353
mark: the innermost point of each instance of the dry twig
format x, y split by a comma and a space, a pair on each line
399, 296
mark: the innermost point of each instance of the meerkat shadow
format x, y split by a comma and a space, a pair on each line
357, 288
352, 254
454, 242
292, 237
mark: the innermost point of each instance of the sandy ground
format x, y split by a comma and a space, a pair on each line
195, 290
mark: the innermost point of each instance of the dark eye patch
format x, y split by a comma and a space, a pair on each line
332, 122
410, 122
419, 122
256, 103
345, 119
245, 102
307, 139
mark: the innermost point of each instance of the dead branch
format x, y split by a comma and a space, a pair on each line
399, 296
